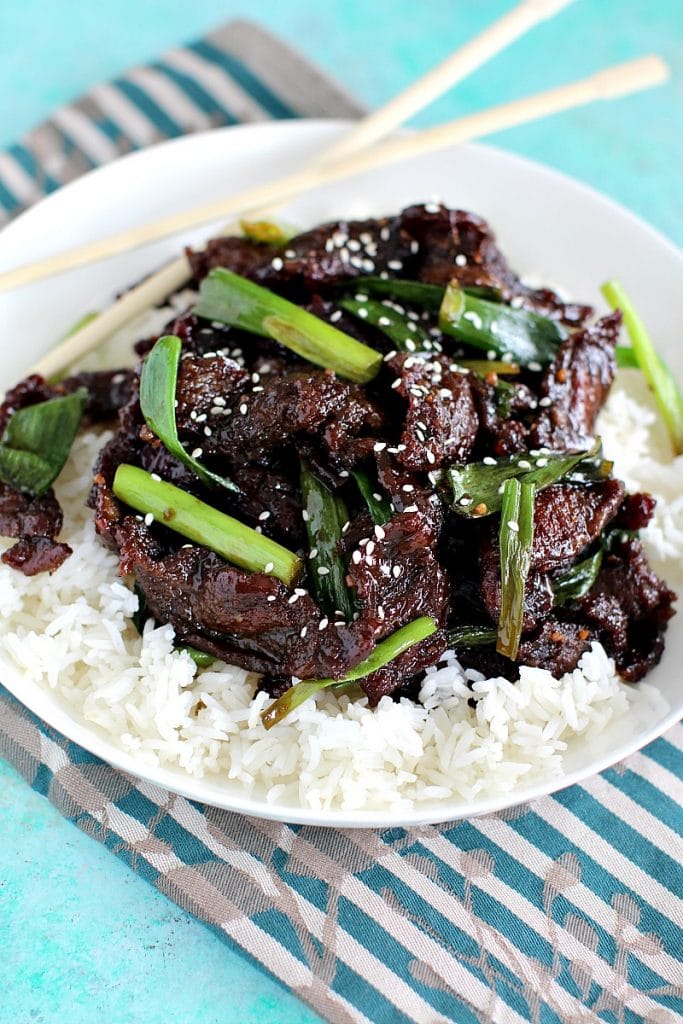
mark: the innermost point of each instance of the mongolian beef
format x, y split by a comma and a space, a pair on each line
362, 446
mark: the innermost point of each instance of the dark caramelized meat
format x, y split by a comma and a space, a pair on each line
441, 423
32, 555
108, 391
20, 514
246, 618
629, 607
316, 404
567, 519
575, 386
396, 576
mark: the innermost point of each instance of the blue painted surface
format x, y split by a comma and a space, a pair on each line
81, 937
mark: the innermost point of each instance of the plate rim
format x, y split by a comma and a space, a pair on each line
175, 779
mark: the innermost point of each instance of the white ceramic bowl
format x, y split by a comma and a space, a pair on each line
547, 224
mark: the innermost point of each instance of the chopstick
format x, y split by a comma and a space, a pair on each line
444, 76
620, 80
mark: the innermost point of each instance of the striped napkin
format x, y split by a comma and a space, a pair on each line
568, 909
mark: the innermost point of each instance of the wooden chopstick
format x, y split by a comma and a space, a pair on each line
622, 79
445, 75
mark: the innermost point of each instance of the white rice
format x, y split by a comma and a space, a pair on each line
73, 634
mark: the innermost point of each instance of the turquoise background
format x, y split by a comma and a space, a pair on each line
81, 937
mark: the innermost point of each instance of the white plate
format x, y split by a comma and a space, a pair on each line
546, 223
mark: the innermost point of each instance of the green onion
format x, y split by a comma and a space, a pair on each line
578, 580
476, 489
234, 300
379, 506
485, 366
200, 658
325, 515
267, 232
158, 381
194, 519
406, 334
492, 326
37, 440
471, 636
626, 358
429, 296
385, 651
516, 536
664, 386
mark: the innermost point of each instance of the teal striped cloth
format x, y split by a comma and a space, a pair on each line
565, 910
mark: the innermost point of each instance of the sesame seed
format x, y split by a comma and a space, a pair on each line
304, 631
354, 245
269, 566
534, 366
396, 384
491, 354
523, 464
271, 597
380, 612
149, 519
379, 446
376, 496
244, 408
361, 297
343, 473
257, 389
541, 463
473, 318
545, 402
362, 313
461, 260
466, 500
365, 237
431, 458
290, 254
488, 460
329, 245
323, 570
197, 453
431, 207
277, 263
410, 345
408, 488
208, 431
384, 321
313, 553
293, 599
337, 315
396, 571
156, 477
356, 557
414, 246
410, 508
304, 515
264, 516
300, 591
368, 266
395, 264
389, 355
346, 526
323, 624
379, 533
512, 525
369, 547
385, 234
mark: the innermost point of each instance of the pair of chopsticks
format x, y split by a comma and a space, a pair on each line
353, 154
